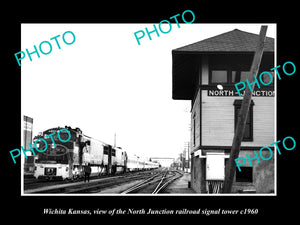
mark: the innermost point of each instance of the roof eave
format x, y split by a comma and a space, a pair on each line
217, 52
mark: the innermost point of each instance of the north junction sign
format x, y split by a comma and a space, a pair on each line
228, 93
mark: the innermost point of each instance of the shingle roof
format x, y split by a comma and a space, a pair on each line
232, 41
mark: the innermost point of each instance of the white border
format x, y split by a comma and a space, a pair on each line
197, 194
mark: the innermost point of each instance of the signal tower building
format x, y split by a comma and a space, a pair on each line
205, 73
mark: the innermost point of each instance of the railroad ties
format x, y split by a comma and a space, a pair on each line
142, 182
154, 184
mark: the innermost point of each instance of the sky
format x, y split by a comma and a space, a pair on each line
106, 84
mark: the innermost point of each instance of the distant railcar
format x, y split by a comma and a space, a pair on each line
135, 163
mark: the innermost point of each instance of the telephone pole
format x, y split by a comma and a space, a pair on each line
115, 140
240, 127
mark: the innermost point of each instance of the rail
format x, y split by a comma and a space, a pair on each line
140, 185
160, 182
161, 186
91, 187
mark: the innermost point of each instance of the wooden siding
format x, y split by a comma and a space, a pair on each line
218, 120
195, 113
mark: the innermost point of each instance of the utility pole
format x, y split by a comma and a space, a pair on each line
181, 160
187, 146
240, 127
115, 140
189, 166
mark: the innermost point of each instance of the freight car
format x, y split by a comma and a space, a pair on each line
66, 160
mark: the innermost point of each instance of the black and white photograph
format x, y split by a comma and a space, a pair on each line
171, 114
166, 126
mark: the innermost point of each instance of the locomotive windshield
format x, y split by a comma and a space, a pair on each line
58, 154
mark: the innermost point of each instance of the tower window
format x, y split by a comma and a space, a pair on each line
248, 133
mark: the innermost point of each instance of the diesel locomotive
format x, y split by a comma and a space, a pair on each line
66, 160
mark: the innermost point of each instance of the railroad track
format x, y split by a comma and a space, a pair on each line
155, 184
34, 183
94, 186
97, 187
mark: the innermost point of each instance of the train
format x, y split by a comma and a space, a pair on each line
67, 160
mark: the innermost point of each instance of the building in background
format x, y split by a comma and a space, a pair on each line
163, 161
205, 73
29, 161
